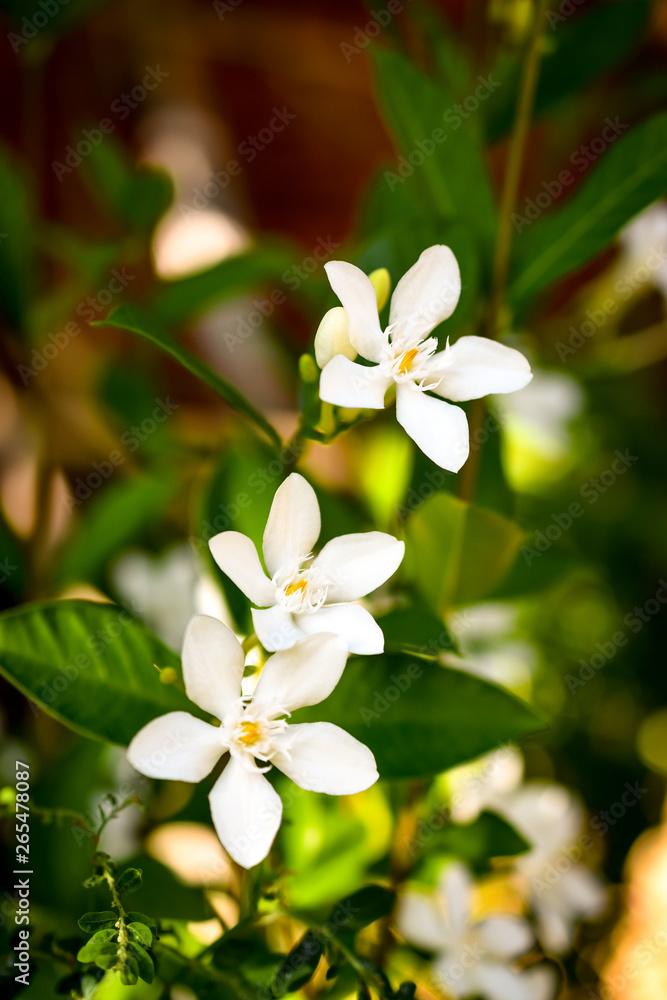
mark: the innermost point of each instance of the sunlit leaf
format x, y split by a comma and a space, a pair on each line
419, 718
90, 665
456, 552
631, 175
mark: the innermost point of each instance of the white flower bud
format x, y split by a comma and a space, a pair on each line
332, 337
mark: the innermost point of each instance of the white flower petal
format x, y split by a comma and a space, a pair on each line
246, 813
539, 983
320, 757
451, 977
236, 556
213, 664
303, 675
276, 628
476, 366
498, 982
455, 888
427, 293
357, 626
505, 937
420, 922
355, 565
176, 747
345, 383
555, 929
584, 891
438, 428
357, 295
293, 526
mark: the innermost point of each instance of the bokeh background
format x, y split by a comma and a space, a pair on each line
144, 143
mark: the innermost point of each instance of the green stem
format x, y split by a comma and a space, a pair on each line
250, 643
522, 121
495, 315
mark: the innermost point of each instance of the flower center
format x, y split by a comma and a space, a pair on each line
247, 735
299, 590
407, 359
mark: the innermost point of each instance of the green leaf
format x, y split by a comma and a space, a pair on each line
487, 837
415, 630
631, 175
456, 552
90, 665
184, 298
589, 45
90, 922
134, 917
16, 242
141, 322
299, 966
145, 966
129, 971
141, 933
112, 521
101, 947
419, 718
452, 173
364, 907
138, 194
129, 881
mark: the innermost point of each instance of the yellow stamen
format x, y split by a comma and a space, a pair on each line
250, 731
293, 587
407, 359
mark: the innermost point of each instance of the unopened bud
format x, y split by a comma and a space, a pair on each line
332, 337
308, 369
381, 282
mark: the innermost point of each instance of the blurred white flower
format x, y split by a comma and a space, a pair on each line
305, 597
167, 590
484, 784
472, 957
426, 295
560, 888
644, 242
317, 756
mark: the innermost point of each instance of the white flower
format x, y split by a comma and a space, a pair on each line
472, 957
318, 757
303, 595
167, 590
560, 888
472, 367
